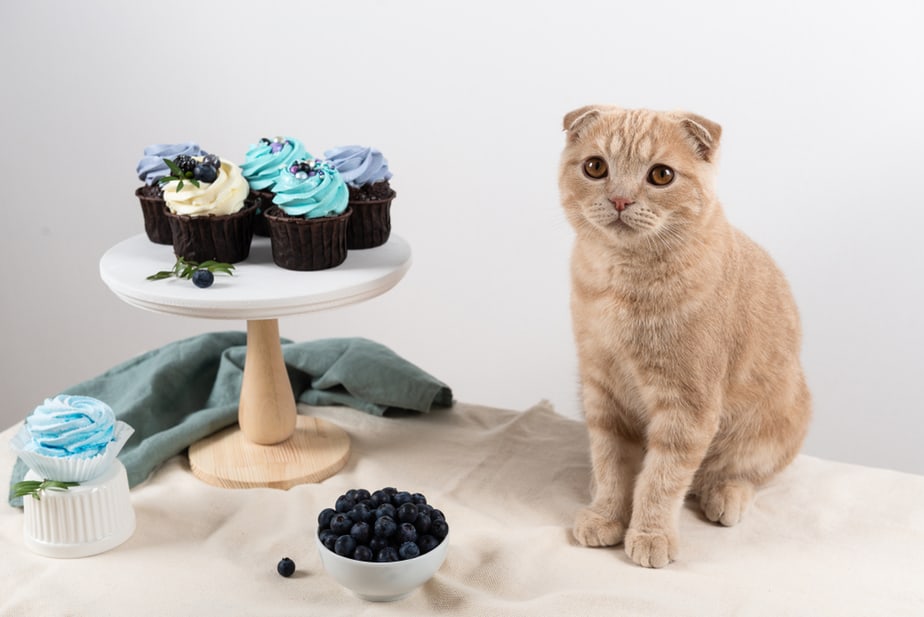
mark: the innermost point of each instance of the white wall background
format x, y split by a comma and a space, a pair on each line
821, 104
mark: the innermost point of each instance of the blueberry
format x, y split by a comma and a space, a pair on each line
377, 543
286, 567
401, 497
380, 497
341, 523
407, 512
389, 553
211, 160
422, 523
345, 503
328, 538
325, 516
363, 553
407, 533
427, 543
385, 527
361, 532
205, 173
437, 514
386, 509
390, 491
203, 278
408, 550
362, 494
418, 498
345, 546
362, 514
439, 529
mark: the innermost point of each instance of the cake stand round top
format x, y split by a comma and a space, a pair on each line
259, 288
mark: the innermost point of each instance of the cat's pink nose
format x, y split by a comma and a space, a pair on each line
621, 203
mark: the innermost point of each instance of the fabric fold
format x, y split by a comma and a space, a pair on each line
184, 391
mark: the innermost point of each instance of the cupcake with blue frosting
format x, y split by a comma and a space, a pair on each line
264, 162
309, 217
71, 438
366, 173
150, 169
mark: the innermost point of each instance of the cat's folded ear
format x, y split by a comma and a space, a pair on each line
702, 134
580, 119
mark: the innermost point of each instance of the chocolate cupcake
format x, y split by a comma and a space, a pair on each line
151, 168
206, 211
367, 176
263, 163
309, 220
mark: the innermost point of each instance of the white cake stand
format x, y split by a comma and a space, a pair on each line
272, 445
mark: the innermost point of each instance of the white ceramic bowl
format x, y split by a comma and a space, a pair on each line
383, 582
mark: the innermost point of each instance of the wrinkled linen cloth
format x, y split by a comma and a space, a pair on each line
823, 538
177, 394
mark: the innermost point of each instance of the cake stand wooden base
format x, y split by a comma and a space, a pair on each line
316, 450
271, 446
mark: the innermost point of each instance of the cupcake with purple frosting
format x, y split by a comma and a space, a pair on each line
264, 161
308, 221
151, 168
365, 171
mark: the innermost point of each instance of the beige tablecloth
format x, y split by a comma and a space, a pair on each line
824, 538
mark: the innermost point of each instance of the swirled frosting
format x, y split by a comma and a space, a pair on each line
359, 165
152, 168
223, 196
67, 426
267, 159
311, 189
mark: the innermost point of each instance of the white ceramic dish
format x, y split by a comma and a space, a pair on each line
383, 582
84, 520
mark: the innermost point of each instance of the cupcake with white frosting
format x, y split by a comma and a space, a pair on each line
205, 200
150, 169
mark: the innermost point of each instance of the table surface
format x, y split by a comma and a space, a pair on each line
259, 289
823, 538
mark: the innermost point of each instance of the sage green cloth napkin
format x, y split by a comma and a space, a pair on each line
180, 393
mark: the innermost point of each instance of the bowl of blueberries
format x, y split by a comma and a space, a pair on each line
384, 544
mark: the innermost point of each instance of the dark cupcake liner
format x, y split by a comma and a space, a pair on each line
222, 238
156, 225
307, 244
370, 224
263, 201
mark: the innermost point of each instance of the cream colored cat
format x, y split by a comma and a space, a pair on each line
687, 334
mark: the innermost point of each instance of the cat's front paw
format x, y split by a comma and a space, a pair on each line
592, 529
651, 549
727, 502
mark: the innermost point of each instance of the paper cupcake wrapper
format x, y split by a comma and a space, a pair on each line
70, 468
156, 225
370, 224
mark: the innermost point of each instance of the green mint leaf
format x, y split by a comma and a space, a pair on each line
34, 488
174, 168
163, 274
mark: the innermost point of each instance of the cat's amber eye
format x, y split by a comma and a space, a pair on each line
661, 175
596, 168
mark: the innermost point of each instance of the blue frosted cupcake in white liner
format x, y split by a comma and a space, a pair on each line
74, 440
71, 438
